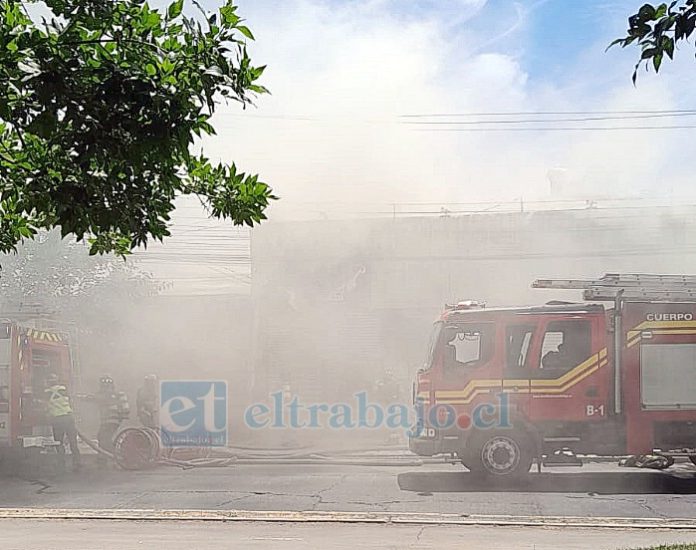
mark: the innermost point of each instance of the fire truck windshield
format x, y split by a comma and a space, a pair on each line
434, 337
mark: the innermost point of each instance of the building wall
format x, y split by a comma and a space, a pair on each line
339, 303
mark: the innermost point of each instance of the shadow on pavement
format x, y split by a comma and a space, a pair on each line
601, 483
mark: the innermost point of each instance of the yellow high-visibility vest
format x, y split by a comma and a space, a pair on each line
57, 401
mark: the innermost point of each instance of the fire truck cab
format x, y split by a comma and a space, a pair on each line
504, 386
27, 357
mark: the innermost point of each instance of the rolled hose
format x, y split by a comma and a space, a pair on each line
141, 448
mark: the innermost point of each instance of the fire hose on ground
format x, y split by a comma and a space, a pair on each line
142, 448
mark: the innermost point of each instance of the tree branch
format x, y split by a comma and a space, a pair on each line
116, 40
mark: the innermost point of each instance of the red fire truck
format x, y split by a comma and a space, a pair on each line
502, 387
27, 357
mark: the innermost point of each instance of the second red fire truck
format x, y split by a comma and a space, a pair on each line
27, 357
505, 386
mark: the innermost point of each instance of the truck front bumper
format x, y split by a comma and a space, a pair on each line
433, 442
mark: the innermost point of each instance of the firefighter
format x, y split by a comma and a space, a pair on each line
60, 412
147, 402
113, 409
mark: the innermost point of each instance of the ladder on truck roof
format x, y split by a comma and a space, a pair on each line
629, 287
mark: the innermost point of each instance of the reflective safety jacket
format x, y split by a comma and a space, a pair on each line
57, 401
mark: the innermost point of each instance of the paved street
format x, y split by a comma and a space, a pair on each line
118, 535
595, 490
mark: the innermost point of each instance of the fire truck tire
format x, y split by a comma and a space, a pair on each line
500, 454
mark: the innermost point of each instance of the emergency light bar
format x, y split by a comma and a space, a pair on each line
464, 305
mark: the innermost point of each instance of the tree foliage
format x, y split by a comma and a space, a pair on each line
100, 103
657, 30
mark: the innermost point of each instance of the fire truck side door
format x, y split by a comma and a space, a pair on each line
519, 342
567, 381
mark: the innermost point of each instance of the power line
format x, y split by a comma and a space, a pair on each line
546, 120
615, 114
562, 129
551, 113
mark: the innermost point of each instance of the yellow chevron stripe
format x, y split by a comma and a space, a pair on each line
675, 331
471, 386
526, 390
570, 384
42, 335
634, 336
463, 401
635, 331
665, 324
474, 385
588, 363
558, 385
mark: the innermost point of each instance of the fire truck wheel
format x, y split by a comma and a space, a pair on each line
500, 454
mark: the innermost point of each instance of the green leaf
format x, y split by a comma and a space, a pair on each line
150, 69
175, 9
167, 66
258, 89
648, 53
647, 12
245, 31
228, 16
657, 61
668, 46
615, 42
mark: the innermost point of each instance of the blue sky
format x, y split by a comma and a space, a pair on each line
559, 31
341, 73
555, 42
549, 38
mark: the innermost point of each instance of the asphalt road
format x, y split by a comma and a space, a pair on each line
119, 535
594, 490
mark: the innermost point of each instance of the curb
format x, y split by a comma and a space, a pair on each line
347, 517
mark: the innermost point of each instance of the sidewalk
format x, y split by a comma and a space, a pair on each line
31, 534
